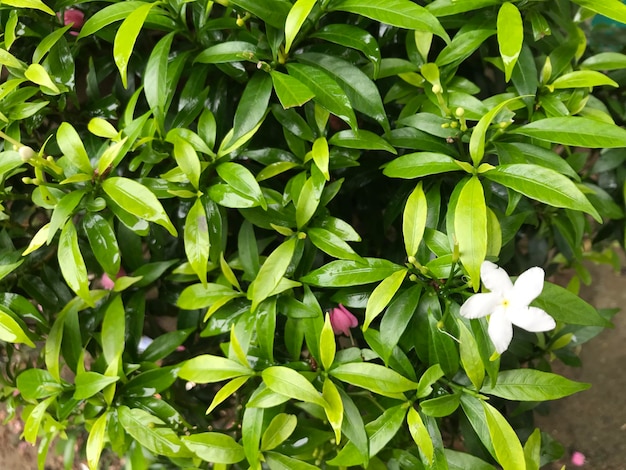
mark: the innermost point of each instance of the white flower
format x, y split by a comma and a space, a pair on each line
508, 304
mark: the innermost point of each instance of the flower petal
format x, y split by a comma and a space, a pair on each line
500, 330
531, 318
528, 286
479, 305
495, 278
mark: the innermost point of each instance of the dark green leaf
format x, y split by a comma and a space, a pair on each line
351, 273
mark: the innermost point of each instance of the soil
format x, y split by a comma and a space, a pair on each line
592, 422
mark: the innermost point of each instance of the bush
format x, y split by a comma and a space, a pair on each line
252, 233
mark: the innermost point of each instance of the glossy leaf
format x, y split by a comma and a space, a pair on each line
71, 262
208, 369
103, 243
309, 197
332, 244
252, 107
273, 12
509, 452
416, 165
95, 441
414, 220
188, 160
613, 9
567, 307
532, 385
292, 384
35, 384
278, 431
90, 383
364, 140
420, 434
135, 198
470, 356
295, 19
196, 237
113, 330
126, 37
510, 36
214, 447
290, 91
582, 79
382, 295
351, 36
328, 347
278, 461
351, 273
388, 382
242, 180
72, 147
470, 227
334, 407
230, 51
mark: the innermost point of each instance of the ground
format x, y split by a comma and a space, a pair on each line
592, 422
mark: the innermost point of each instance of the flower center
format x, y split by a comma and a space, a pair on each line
505, 303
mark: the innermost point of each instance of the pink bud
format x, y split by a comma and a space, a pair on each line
578, 459
341, 319
74, 17
107, 283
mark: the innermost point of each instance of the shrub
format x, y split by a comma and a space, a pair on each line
252, 233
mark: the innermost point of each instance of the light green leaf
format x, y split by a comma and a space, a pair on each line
510, 36
328, 346
72, 264
567, 307
613, 9
229, 51
532, 385
95, 441
253, 105
420, 434
72, 147
388, 382
414, 220
344, 273
271, 272
11, 331
399, 13
204, 295
278, 431
382, 295
273, 12
227, 391
321, 155
332, 244
470, 227
295, 19
113, 330
290, 91
37, 74
582, 79
470, 355
187, 160
242, 181
155, 78
310, 196
288, 382
605, 61
90, 383
334, 406
102, 128
209, 369
454, 7
441, 406
103, 243
544, 185
532, 450
416, 165
462, 46
362, 140
575, 131
152, 433
278, 461
126, 36
34, 4
508, 449
63, 210
196, 238
137, 200
215, 447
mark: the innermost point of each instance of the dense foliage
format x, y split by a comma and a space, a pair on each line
244, 233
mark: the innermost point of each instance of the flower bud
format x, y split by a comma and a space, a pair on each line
75, 19
26, 153
341, 319
437, 89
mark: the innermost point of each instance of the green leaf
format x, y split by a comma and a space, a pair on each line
278, 461
72, 147
288, 382
90, 383
332, 244
567, 307
414, 220
137, 200
362, 140
442, 349
428, 378
532, 385
605, 61
532, 450
63, 210
399, 13
72, 264
470, 355
34, 4
215, 447
309, 197
477, 140
334, 406
227, 392
382, 295
290, 91
107, 16
351, 36
95, 441
462, 461
278, 431
202, 296
544, 185
113, 330
582, 79
397, 317
575, 131
321, 155
209, 369
328, 347
454, 7
103, 243
295, 19
196, 238
126, 36
509, 452
420, 434
35, 384
187, 159
441, 406
613, 9
273, 12
271, 272
388, 382
152, 433
470, 227
253, 105
362, 92
155, 78
328, 94
242, 181
37, 74
462, 46
344, 273
229, 51
416, 165
380, 432
510, 36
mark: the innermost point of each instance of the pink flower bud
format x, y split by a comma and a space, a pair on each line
74, 17
107, 283
578, 459
341, 319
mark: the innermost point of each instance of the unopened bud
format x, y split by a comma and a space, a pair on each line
26, 153
412, 259
413, 278
437, 89
27, 180
459, 112
454, 124
240, 22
